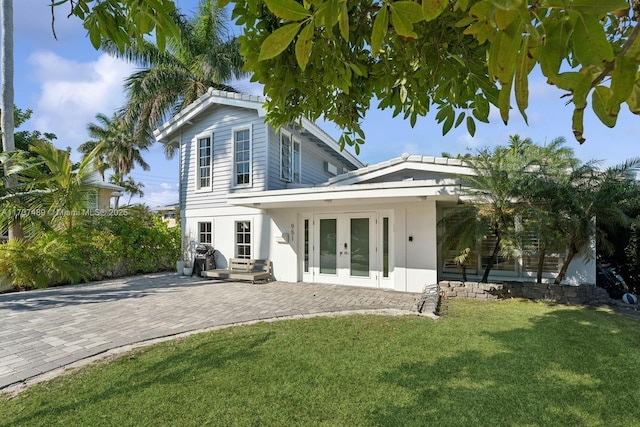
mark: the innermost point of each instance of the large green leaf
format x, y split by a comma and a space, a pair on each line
471, 126
431, 9
600, 99
403, 15
380, 25
287, 9
634, 99
503, 53
507, 4
590, 44
598, 7
278, 41
343, 21
304, 45
523, 68
555, 46
504, 101
577, 124
623, 77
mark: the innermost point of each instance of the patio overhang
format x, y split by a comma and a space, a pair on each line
378, 193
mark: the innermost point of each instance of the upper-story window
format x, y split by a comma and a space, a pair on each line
204, 163
290, 157
242, 156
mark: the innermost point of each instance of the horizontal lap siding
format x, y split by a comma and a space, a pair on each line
313, 158
221, 121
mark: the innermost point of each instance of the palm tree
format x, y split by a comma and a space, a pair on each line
589, 195
50, 188
205, 56
461, 228
547, 164
131, 187
120, 150
494, 191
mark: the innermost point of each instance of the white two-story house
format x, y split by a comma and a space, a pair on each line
315, 211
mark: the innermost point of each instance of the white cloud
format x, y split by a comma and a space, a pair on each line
72, 93
157, 195
411, 148
470, 142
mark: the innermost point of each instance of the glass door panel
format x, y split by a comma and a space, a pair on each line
328, 240
359, 255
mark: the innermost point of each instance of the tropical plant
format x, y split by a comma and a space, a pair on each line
107, 246
205, 55
587, 196
494, 190
50, 192
120, 150
545, 163
511, 202
131, 187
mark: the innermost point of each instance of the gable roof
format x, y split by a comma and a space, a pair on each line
167, 131
403, 179
96, 181
406, 163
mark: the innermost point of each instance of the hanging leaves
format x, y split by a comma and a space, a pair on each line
431, 9
379, 31
278, 41
287, 9
303, 46
403, 15
470, 55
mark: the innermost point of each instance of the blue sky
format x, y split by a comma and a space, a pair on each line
66, 82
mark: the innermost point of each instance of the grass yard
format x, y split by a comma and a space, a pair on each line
510, 363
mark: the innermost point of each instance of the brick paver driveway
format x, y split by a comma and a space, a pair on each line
42, 331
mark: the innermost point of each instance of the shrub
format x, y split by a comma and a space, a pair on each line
111, 246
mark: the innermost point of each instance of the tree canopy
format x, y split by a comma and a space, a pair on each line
121, 21
332, 58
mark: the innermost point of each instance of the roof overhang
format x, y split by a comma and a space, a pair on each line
105, 186
379, 193
166, 132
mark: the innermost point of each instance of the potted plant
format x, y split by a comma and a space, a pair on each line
187, 256
179, 266
187, 270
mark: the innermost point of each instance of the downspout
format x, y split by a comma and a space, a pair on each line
268, 159
181, 202
406, 250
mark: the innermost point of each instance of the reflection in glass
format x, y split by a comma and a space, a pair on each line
360, 247
328, 246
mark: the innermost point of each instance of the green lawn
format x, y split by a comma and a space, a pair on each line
515, 363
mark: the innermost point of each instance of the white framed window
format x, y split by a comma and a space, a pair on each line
242, 157
243, 239
290, 157
204, 153
92, 200
205, 232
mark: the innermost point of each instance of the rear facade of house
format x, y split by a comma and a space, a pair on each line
292, 196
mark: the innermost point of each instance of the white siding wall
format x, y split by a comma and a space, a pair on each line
313, 158
220, 122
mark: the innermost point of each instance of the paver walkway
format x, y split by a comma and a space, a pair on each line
41, 331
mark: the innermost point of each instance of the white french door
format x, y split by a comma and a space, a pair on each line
344, 250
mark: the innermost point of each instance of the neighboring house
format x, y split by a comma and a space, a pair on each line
99, 197
168, 214
294, 197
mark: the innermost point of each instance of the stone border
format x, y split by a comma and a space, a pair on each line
565, 294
